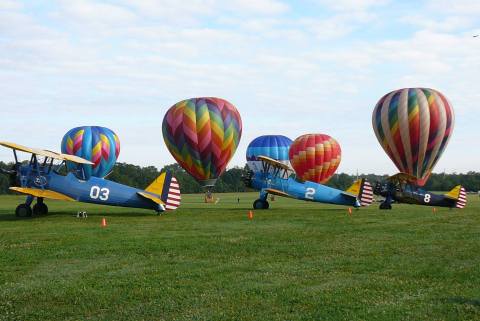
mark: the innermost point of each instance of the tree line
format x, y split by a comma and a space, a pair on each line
230, 180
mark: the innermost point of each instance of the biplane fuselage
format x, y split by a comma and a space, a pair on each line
42, 179
94, 190
274, 179
306, 191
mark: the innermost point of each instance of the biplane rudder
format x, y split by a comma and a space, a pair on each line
459, 194
363, 190
166, 186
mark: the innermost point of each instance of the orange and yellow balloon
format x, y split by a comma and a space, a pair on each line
315, 157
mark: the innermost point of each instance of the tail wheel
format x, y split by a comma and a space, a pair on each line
23, 210
40, 209
261, 205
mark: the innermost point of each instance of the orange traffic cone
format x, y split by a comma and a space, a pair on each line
434, 210
350, 211
250, 215
104, 222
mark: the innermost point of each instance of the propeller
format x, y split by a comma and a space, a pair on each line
247, 177
12, 174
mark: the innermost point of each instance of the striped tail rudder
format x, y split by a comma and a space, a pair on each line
173, 195
166, 186
366, 193
462, 198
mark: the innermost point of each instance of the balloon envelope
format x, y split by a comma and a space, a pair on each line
273, 146
202, 135
315, 157
413, 125
97, 144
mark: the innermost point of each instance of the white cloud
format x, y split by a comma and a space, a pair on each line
352, 5
262, 7
338, 25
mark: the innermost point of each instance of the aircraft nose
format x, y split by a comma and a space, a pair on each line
247, 178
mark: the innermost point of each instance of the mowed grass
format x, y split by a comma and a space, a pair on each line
295, 261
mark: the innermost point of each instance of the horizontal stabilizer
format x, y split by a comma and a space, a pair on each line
277, 192
154, 199
44, 193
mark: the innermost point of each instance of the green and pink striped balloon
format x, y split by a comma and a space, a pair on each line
414, 125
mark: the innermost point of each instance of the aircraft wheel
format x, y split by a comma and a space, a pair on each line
40, 209
23, 210
260, 204
266, 205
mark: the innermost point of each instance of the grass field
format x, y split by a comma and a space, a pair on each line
295, 261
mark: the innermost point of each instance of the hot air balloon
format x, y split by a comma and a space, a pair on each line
273, 146
202, 135
97, 144
315, 157
413, 125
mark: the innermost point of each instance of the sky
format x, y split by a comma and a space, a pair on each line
290, 68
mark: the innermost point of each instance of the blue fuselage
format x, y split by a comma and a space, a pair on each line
307, 191
94, 190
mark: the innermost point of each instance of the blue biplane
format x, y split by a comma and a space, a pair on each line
46, 176
275, 179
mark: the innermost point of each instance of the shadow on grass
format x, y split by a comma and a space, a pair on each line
12, 217
462, 300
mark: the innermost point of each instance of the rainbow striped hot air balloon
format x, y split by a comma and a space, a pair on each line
202, 135
97, 144
273, 146
315, 157
413, 125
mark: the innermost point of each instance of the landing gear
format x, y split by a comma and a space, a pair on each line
40, 209
260, 204
385, 206
23, 210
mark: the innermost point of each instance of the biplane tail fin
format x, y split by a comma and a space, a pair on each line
167, 187
363, 190
459, 195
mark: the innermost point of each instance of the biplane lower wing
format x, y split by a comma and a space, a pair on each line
278, 193
43, 193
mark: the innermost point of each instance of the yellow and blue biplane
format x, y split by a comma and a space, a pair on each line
274, 178
45, 176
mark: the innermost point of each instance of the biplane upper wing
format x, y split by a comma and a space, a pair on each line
46, 153
403, 177
273, 162
43, 193
277, 192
